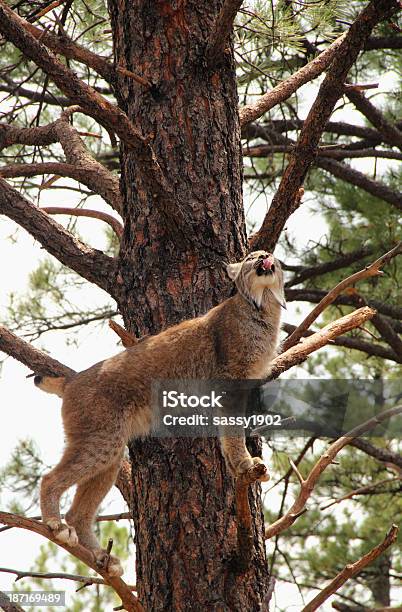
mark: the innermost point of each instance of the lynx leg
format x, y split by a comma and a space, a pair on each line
82, 513
76, 464
237, 457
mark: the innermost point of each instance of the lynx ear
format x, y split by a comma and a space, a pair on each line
233, 270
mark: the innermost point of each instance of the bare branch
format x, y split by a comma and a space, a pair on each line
126, 338
360, 491
339, 153
329, 266
329, 93
351, 570
390, 134
35, 96
371, 270
110, 116
35, 136
287, 88
316, 295
381, 454
86, 212
129, 600
356, 344
289, 125
350, 175
222, 30
90, 177
36, 360
298, 353
101, 180
89, 263
323, 462
86, 580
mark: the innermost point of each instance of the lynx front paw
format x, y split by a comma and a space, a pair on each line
65, 534
264, 477
108, 562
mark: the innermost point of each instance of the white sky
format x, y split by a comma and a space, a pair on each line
27, 412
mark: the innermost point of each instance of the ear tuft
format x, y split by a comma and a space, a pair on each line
233, 270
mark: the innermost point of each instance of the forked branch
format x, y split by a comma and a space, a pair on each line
329, 93
351, 570
129, 600
371, 270
299, 352
323, 462
287, 88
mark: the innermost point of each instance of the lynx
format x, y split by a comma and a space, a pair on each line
106, 405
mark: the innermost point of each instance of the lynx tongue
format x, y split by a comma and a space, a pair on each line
266, 263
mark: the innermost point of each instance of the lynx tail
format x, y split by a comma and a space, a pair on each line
51, 384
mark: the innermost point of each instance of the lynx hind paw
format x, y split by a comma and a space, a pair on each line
63, 533
109, 563
264, 477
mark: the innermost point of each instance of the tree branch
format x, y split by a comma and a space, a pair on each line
371, 270
338, 263
298, 353
341, 153
245, 544
360, 491
86, 580
390, 134
329, 93
350, 175
284, 90
351, 570
63, 45
356, 344
102, 180
35, 96
222, 29
86, 212
383, 42
110, 116
316, 295
323, 462
7, 606
126, 338
381, 454
90, 177
129, 600
34, 136
36, 360
89, 263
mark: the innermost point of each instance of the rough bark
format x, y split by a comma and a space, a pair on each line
170, 269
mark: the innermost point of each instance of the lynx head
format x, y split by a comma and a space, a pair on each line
257, 274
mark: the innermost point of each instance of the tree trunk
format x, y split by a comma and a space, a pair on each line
171, 268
